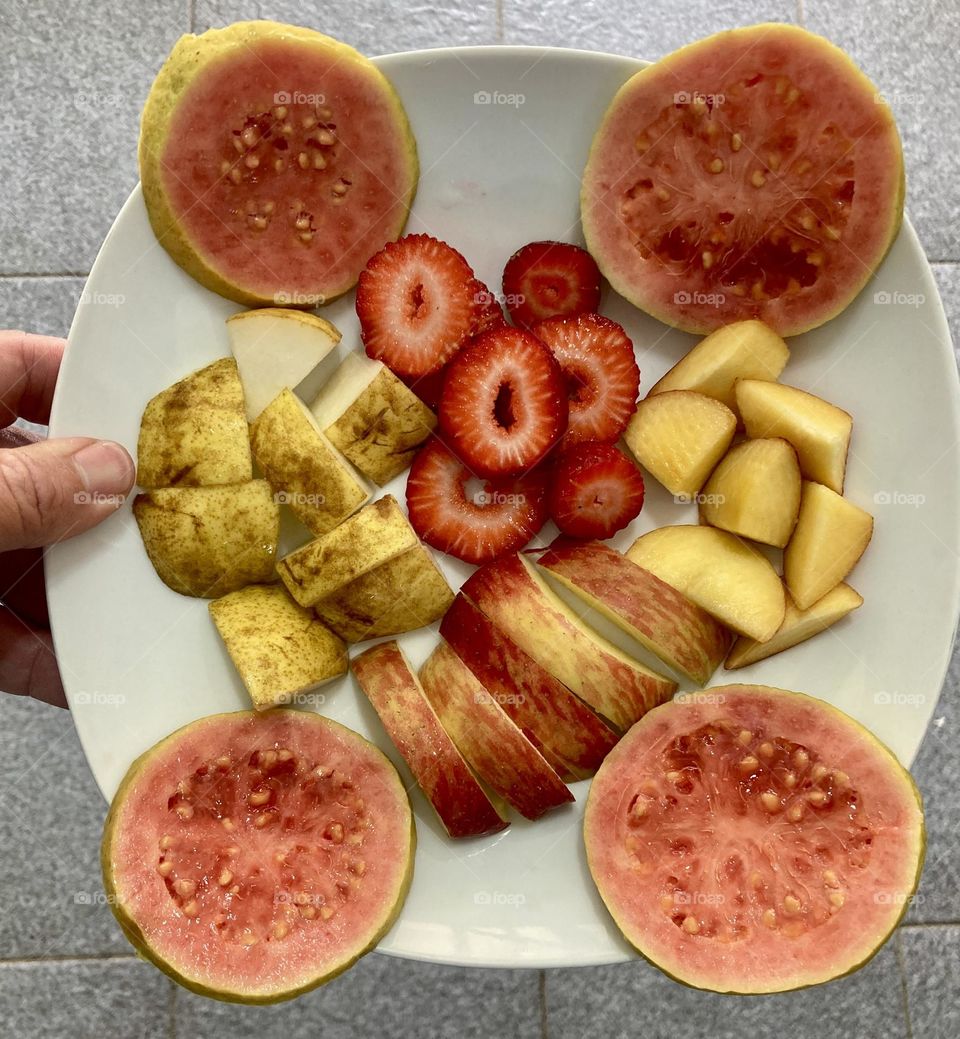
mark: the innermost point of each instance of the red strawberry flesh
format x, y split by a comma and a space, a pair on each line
595, 491
550, 279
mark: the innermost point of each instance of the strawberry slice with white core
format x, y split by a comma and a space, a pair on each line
472, 520
595, 491
504, 403
416, 301
600, 369
550, 279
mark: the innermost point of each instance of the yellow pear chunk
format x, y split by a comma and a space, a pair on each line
830, 537
742, 350
281, 651
304, 469
819, 431
194, 433
722, 574
207, 541
755, 492
276, 349
406, 593
678, 437
374, 419
798, 626
376, 534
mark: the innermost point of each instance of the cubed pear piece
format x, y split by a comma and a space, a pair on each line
376, 534
830, 536
372, 417
722, 574
280, 650
755, 492
194, 434
303, 467
275, 349
406, 593
798, 626
820, 432
207, 541
743, 350
679, 436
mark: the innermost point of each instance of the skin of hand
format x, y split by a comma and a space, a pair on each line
50, 490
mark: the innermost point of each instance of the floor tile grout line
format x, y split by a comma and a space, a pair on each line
27, 275
801, 14
172, 1010
904, 991
498, 7
66, 958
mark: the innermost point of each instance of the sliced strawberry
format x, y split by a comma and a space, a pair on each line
504, 403
595, 491
550, 279
416, 305
429, 387
601, 372
498, 517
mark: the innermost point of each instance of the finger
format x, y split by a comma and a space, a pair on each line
29, 365
58, 488
22, 585
28, 666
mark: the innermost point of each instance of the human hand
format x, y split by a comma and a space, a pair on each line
50, 490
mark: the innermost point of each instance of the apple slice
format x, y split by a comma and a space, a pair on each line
679, 436
830, 536
820, 432
194, 433
405, 593
304, 469
281, 651
798, 626
495, 748
373, 418
755, 492
725, 576
516, 598
276, 349
369, 538
560, 725
743, 350
390, 684
684, 636
207, 541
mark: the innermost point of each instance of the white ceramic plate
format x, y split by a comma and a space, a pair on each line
138, 660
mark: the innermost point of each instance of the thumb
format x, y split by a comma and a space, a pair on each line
57, 488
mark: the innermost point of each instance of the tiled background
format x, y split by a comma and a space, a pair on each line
72, 81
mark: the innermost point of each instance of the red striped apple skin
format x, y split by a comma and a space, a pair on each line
497, 750
684, 636
518, 601
391, 686
562, 727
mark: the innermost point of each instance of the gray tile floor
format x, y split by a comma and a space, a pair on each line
72, 81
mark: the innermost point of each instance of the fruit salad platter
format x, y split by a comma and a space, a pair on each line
492, 407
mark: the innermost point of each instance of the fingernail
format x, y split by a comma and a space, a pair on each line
105, 467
